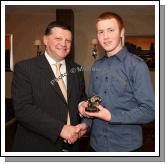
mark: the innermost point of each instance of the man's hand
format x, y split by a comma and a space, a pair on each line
72, 133
82, 106
69, 133
103, 114
81, 129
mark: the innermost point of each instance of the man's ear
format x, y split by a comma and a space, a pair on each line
45, 40
123, 36
123, 32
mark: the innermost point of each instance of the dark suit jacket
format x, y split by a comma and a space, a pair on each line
40, 108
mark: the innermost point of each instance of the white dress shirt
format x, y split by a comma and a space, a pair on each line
52, 62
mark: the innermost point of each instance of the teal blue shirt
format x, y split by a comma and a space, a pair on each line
123, 82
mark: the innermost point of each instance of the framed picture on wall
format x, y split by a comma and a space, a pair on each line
142, 46
8, 52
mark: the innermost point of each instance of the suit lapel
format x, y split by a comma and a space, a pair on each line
70, 77
49, 75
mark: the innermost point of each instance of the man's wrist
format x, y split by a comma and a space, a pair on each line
80, 103
78, 108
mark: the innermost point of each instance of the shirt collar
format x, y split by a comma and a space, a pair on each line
120, 54
52, 61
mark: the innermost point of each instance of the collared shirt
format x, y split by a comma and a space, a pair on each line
52, 62
123, 82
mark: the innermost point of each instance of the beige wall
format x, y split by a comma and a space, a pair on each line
26, 26
139, 20
28, 23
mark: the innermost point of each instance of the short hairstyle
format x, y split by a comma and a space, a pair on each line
111, 15
53, 24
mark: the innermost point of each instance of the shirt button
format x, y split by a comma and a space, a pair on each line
106, 78
105, 92
96, 77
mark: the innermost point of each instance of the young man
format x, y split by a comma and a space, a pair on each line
46, 111
122, 80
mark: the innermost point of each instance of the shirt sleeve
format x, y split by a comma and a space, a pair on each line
88, 121
144, 111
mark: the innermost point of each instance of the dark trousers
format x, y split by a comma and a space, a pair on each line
70, 147
91, 149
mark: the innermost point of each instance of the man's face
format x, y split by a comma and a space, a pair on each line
109, 35
58, 43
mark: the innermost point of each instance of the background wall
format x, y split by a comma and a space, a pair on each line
28, 23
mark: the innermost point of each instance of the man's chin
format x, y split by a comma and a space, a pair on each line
108, 49
62, 56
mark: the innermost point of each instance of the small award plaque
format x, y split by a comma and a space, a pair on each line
93, 101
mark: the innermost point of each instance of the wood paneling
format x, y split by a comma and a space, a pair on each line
67, 16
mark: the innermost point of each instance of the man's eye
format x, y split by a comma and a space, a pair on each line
68, 41
57, 38
111, 30
100, 32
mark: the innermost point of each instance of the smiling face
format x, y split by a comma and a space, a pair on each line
109, 35
58, 43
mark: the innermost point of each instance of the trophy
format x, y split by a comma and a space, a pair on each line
93, 101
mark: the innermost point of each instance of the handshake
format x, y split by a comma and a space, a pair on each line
71, 134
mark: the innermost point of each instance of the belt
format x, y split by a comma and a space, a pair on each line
65, 150
66, 147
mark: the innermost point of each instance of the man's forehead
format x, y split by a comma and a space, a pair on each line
107, 23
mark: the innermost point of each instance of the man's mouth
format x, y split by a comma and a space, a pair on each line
108, 43
61, 49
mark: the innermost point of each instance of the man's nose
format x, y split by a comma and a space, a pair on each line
63, 42
105, 35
